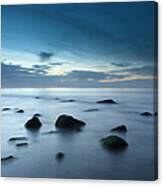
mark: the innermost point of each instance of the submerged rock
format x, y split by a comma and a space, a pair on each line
60, 156
6, 109
114, 142
121, 128
107, 101
156, 113
91, 110
18, 138
20, 111
68, 122
10, 157
146, 114
33, 123
22, 144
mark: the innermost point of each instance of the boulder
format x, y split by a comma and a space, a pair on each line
33, 123
146, 114
121, 128
114, 142
68, 122
107, 101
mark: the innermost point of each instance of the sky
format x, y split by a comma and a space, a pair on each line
78, 45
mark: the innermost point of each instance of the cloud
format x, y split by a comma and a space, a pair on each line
45, 56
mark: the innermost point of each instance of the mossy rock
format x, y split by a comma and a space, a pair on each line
114, 142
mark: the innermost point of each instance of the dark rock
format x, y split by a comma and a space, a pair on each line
20, 111
146, 114
60, 156
6, 109
37, 115
33, 123
91, 110
107, 101
18, 138
68, 122
10, 157
121, 128
22, 144
114, 142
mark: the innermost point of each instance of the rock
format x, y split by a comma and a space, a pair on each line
10, 157
20, 111
18, 138
33, 123
146, 114
156, 113
60, 156
107, 101
37, 115
121, 128
6, 109
68, 101
50, 132
114, 142
91, 110
22, 144
68, 122
37, 97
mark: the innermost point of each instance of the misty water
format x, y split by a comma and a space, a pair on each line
84, 155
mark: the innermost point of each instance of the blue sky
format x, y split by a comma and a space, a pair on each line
78, 45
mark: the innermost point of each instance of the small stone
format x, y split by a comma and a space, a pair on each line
107, 101
33, 123
20, 111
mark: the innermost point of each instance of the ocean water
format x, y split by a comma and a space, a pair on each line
85, 158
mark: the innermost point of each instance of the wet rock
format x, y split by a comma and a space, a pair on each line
22, 144
114, 142
6, 109
33, 123
60, 156
37, 115
20, 111
91, 110
146, 114
10, 157
68, 122
107, 101
121, 128
18, 138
